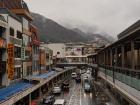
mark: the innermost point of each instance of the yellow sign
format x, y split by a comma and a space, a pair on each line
10, 61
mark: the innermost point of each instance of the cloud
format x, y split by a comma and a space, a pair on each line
109, 16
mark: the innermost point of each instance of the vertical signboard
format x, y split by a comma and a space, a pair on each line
23, 53
10, 61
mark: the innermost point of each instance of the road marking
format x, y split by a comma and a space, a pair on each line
75, 98
80, 96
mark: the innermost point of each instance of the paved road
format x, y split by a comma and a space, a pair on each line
77, 96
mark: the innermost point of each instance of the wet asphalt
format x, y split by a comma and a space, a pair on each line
77, 96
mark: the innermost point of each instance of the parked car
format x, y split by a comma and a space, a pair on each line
48, 100
74, 75
56, 90
60, 102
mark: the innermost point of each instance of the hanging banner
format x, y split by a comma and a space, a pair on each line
10, 61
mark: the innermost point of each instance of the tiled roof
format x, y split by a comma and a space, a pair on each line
14, 4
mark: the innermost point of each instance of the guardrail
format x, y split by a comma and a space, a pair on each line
125, 75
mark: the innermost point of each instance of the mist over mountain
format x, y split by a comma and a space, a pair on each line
53, 32
50, 31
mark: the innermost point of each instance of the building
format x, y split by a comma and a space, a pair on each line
119, 65
58, 51
14, 44
3, 57
35, 43
46, 61
74, 53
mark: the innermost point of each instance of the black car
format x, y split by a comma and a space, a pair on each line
78, 79
65, 85
48, 100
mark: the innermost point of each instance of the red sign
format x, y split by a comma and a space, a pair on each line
10, 61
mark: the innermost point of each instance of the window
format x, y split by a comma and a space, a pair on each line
17, 73
17, 52
19, 35
11, 31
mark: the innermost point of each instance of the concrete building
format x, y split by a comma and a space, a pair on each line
3, 57
74, 53
58, 51
14, 44
35, 43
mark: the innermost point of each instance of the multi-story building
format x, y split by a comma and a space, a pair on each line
3, 58
74, 53
30, 46
14, 44
35, 50
58, 51
46, 55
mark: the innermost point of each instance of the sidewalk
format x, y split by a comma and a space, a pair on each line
106, 91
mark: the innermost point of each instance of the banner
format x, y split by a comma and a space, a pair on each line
10, 61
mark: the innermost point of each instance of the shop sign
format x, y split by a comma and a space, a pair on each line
10, 61
22, 53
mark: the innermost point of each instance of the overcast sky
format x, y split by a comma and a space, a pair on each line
109, 16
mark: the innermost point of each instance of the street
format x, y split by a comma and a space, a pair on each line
77, 96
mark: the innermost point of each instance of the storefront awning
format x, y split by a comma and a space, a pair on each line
7, 92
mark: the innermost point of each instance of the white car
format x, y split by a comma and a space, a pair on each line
73, 75
88, 72
60, 102
56, 90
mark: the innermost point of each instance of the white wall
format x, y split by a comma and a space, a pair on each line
77, 50
25, 23
58, 47
15, 24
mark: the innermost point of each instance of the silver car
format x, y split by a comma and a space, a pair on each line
56, 90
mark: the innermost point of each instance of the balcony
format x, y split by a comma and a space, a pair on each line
16, 41
18, 62
2, 66
22, 12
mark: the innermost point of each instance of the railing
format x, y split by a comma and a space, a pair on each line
128, 76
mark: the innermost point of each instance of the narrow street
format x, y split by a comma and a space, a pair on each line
77, 96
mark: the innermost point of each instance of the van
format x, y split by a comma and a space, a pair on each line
60, 102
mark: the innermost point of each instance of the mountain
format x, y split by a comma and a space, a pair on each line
53, 32
50, 31
95, 38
